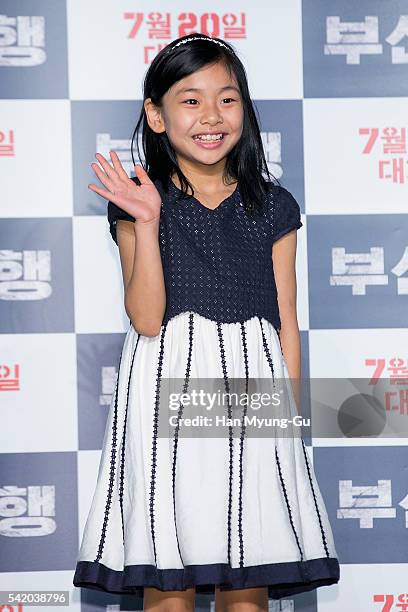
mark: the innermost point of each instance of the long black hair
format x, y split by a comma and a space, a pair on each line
246, 162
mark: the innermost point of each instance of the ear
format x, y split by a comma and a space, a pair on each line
154, 116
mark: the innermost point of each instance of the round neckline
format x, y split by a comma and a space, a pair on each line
201, 205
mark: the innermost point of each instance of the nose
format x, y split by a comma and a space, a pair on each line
211, 114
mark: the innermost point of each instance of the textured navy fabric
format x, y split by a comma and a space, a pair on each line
218, 262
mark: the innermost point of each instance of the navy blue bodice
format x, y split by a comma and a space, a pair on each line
218, 262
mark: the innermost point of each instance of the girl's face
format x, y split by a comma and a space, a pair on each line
206, 102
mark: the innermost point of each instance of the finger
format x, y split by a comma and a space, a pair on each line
103, 177
102, 192
142, 175
117, 165
111, 172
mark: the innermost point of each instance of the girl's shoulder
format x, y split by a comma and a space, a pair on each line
279, 191
284, 210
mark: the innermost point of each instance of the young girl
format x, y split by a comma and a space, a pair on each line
207, 246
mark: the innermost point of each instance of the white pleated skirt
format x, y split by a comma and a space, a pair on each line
202, 510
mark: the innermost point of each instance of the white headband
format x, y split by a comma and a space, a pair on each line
182, 42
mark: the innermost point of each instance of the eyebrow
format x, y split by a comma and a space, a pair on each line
186, 89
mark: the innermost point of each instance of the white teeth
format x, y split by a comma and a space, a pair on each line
209, 136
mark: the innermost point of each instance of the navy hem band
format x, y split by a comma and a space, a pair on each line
282, 579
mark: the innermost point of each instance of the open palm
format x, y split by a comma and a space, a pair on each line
140, 201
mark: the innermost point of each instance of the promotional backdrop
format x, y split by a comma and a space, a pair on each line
330, 81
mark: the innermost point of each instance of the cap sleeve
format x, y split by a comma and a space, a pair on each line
114, 214
286, 213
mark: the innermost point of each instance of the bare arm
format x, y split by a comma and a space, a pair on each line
142, 272
284, 264
138, 242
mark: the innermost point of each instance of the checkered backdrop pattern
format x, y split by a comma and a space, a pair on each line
329, 79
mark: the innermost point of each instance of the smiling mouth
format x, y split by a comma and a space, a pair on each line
209, 137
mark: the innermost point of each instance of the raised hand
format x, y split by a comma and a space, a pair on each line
142, 201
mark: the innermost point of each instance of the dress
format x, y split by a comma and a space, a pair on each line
176, 512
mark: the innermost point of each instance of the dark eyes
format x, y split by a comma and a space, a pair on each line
194, 99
